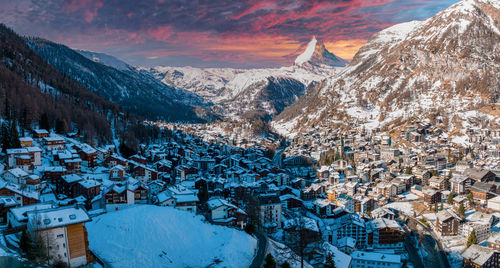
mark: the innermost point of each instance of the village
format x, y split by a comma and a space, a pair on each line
354, 198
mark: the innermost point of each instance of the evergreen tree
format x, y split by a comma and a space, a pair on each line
5, 137
450, 198
461, 210
270, 262
472, 239
44, 122
25, 243
203, 194
408, 170
60, 126
470, 199
285, 265
330, 262
14, 135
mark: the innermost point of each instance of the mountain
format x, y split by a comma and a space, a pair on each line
105, 60
31, 89
316, 54
444, 69
251, 93
136, 91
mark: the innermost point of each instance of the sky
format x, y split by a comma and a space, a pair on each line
211, 33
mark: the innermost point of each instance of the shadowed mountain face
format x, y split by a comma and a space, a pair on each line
137, 92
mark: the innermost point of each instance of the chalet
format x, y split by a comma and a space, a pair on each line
114, 160
144, 173
139, 159
17, 217
87, 153
87, 188
73, 165
26, 141
117, 173
66, 184
386, 234
40, 133
180, 197
52, 173
483, 191
156, 186
431, 196
480, 257
54, 143
15, 175
481, 175
27, 157
323, 207
224, 213
446, 223
64, 229
289, 201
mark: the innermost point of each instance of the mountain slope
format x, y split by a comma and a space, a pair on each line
441, 68
252, 93
105, 59
30, 88
137, 92
316, 54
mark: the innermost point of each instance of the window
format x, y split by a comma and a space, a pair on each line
60, 236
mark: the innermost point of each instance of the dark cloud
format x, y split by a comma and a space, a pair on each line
209, 32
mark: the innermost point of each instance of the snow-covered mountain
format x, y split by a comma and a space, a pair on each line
316, 54
114, 80
444, 69
105, 59
263, 92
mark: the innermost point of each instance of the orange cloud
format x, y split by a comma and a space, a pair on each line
345, 49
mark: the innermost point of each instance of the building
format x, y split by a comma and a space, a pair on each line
362, 259
446, 223
386, 234
431, 196
269, 206
54, 143
480, 257
481, 175
494, 203
63, 229
460, 184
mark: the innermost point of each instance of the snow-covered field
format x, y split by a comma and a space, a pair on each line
150, 236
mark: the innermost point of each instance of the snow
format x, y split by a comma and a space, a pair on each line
405, 207
173, 238
308, 53
282, 253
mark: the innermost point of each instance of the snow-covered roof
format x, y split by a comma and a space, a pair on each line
56, 217
373, 256
20, 213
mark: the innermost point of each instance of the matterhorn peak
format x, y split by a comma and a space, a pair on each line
317, 54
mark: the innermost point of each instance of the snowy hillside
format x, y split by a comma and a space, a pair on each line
114, 80
442, 69
173, 238
105, 60
240, 91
